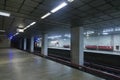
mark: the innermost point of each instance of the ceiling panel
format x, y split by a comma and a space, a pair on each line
96, 3
104, 7
90, 12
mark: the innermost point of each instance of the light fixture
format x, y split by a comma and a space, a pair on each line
20, 30
33, 23
14, 35
46, 15
53, 37
29, 25
26, 27
59, 7
4, 14
20, 26
2, 30
108, 30
70, 0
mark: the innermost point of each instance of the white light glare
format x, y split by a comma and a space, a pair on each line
108, 30
4, 14
53, 37
105, 33
20, 26
29, 25
11, 37
70, 0
16, 34
90, 32
33, 23
46, 15
67, 35
117, 29
59, 7
20, 30
84, 33
2, 30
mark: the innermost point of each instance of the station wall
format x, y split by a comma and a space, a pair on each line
61, 42
101, 40
108, 40
98, 40
4, 42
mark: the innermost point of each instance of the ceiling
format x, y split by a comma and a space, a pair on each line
97, 14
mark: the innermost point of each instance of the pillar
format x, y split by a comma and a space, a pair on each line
32, 44
20, 44
44, 47
25, 44
77, 45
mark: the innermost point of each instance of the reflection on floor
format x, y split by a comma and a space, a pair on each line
19, 65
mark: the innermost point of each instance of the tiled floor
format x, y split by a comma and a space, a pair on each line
18, 65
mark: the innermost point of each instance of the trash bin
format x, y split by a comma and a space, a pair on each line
117, 47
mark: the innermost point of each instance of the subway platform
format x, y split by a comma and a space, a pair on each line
19, 65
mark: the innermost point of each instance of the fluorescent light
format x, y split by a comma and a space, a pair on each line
2, 30
26, 27
31, 24
15, 34
4, 14
108, 30
70, 0
20, 30
46, 15
53, 37
59, 7
20, 26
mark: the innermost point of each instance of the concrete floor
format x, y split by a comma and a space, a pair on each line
19, 65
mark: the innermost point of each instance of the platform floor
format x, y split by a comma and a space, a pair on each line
19, 65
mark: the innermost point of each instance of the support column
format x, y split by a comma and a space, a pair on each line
20, 44
77, 45
44, 47
32, 44
25, 44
